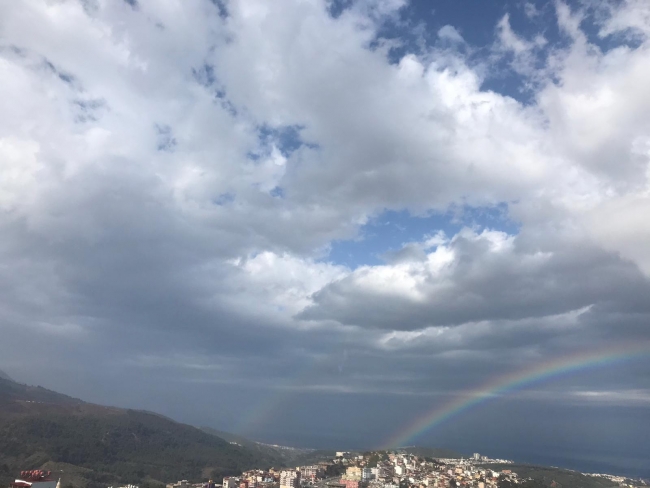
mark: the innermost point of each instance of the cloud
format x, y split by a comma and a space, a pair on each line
173, 175
509, 39
631, 17
486, 276
448, 33
621, 226
616, 397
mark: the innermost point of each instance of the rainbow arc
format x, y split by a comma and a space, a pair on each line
506, 384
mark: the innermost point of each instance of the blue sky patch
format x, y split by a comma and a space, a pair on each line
166, 140
415, 30
221, 7
277, 192
337, 7
387, 233
224, 199
204, 75
286, 138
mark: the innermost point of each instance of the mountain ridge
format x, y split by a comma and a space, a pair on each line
5, 376
99, 445
278, 456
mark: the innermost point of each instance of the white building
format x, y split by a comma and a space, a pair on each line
290, 479
310, 472
366, 474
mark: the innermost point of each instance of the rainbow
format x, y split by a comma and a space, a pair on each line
505, 384
263, 411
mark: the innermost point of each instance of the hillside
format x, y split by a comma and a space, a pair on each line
274, 455
17, 399
92, 445
269, 455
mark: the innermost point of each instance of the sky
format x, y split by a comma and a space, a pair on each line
314, 222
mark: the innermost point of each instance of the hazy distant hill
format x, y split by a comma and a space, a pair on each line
4, 376
98, 446
271, 456
279, 456
432, 452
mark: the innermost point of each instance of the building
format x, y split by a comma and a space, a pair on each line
290, 479
351, 483
476, 456
35, 479
230, 482
353, 473
367, 474
311, 472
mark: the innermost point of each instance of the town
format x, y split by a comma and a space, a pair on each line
379, 469
382, 469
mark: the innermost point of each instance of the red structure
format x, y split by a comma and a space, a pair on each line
33, 477
351, 483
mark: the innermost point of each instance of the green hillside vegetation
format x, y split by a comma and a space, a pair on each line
90, 445
17, 398
313, 457
547, 477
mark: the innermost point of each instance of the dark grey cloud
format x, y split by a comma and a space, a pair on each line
484, 282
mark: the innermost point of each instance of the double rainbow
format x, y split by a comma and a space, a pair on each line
511, 382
